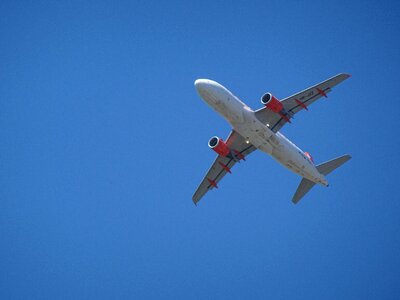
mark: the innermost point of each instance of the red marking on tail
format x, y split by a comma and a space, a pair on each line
309, 156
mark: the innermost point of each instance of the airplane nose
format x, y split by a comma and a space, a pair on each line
208, 90
200, 84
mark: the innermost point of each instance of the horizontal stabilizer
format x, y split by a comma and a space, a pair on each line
327, 167
304, 187
324, 169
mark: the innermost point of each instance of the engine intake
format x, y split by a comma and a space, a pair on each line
219, 146
272, 103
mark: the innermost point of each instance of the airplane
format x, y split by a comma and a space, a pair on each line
259, 129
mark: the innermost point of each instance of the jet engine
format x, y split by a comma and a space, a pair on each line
275, 105
219, 146
272, 103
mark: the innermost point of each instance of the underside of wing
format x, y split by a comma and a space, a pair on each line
297, 102
223, 164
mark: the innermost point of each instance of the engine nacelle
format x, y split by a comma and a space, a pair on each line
219, 146
272, 103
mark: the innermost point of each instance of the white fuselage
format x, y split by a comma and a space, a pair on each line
244, 121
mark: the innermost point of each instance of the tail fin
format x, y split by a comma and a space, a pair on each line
324, 168
304, 187
327, 167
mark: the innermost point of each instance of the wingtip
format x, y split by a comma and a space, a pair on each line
348, 156
343, 75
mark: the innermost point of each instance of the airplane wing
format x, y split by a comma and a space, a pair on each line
222, 165
297, 102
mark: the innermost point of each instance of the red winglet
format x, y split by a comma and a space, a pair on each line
225, 167
321, 92
285, 117
212, 182
301, 104
238, 154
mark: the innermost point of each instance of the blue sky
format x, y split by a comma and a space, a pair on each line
104, 141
